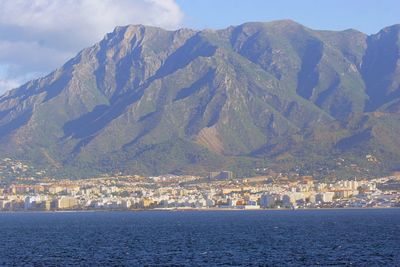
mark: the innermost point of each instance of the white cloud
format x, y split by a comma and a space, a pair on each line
8, 84
37, 36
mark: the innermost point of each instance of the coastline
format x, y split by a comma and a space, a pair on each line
196, 210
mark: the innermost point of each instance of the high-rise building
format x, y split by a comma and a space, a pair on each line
222, 175
67, 203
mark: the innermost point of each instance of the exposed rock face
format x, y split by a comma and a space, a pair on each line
148, 100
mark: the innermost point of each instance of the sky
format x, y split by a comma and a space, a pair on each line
37, 36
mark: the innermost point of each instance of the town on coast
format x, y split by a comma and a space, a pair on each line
219, 190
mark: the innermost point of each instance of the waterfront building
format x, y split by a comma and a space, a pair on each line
146, 202
325, 197
66, 203
268, 200
292, 198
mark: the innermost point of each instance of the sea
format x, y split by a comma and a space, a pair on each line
340, 237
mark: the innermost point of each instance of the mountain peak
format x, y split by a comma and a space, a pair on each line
286, 23
130, 30
394, 27
392, 31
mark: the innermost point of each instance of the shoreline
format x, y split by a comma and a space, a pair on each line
196, 210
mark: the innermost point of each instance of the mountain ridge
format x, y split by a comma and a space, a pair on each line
147, 100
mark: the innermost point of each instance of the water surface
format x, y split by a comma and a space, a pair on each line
308, 237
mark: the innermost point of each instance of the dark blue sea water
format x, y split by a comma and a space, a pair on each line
272, 238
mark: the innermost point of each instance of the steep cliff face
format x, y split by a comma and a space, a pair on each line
149, 100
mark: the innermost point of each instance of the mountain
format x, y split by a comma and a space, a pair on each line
278, 94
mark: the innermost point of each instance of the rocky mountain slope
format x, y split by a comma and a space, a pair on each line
147, 100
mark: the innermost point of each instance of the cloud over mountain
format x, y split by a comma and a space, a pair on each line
38, 35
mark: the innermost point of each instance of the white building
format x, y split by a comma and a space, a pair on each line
325, 197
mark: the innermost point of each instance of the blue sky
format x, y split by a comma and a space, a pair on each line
37, 36
368, 16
